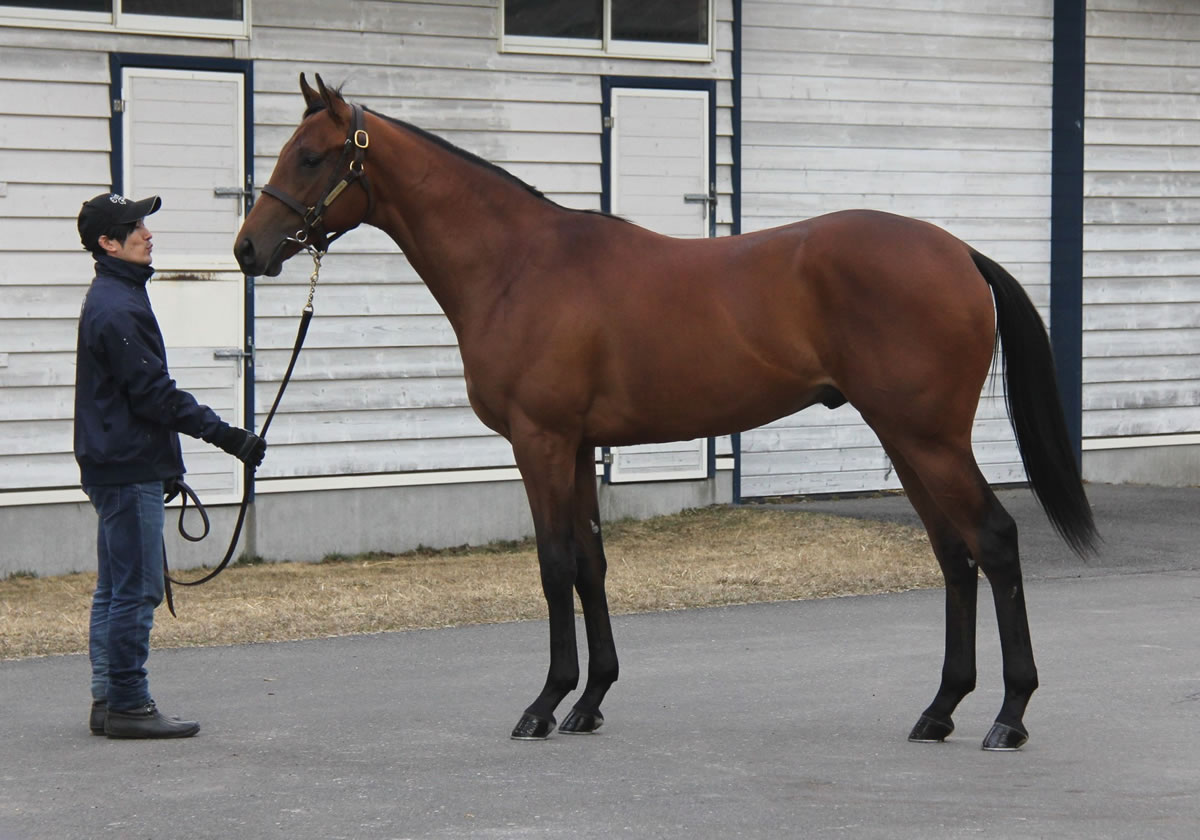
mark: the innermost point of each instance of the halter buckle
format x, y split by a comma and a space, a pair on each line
361, 139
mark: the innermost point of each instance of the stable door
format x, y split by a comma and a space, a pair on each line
661, 179
183, 139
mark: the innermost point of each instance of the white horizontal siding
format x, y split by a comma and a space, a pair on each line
1141, 343
938, 109
54, 146
380, 373
54, 154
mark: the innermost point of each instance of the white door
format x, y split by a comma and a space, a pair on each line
183, 140
661, 180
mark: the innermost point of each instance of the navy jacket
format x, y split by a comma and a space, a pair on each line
128, 410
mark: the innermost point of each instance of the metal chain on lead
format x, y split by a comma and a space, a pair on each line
312, 280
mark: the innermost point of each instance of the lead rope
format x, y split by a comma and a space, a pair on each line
187, 493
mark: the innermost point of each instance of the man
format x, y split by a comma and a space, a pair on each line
128, 413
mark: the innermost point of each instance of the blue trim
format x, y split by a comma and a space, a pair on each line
736, 200
1066, 212
117, 62
736, 91
709, 86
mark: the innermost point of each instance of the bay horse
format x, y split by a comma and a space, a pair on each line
578, 329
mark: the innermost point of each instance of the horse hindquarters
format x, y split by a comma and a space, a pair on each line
967, 524
928, 438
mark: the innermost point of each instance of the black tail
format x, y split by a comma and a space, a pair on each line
1035, 410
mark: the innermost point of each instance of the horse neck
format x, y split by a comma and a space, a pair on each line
458, 222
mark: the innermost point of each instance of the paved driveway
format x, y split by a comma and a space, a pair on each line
766, 721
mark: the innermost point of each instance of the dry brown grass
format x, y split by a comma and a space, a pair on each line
708, 557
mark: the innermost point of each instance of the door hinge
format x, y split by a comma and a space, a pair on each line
608, 458
118, 106
610, 121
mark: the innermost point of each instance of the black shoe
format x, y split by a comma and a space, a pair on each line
96, 719
147, 722
99, 712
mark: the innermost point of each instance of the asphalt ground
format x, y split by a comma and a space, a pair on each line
759, 721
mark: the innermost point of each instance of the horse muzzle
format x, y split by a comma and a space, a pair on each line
255, 263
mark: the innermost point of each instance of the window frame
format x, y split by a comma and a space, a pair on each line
607, 46
122, 22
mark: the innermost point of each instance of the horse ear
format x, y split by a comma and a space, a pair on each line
311, 97
333, 101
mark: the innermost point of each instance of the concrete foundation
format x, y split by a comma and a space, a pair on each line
308, 526
1161, 466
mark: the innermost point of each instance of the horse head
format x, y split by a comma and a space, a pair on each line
309, 204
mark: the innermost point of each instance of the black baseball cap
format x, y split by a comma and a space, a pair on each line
105, 211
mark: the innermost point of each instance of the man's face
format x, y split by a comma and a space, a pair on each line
135, 249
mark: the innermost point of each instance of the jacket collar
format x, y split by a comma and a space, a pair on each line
132, 273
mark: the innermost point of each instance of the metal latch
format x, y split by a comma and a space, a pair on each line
235, 354
231, 192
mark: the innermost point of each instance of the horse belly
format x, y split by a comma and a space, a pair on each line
684, 390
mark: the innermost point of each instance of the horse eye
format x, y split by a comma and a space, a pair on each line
311, 160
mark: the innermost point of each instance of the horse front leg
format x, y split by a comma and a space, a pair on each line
591, 567
547, 465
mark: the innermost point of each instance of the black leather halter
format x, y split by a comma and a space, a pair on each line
354, 152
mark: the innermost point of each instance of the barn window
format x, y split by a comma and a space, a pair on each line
680, 29
220, 18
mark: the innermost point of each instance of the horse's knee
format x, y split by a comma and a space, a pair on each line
558, 569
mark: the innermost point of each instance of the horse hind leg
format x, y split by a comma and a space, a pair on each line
962, 579
591, 568
950, 480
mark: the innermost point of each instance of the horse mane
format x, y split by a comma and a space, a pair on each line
458, 151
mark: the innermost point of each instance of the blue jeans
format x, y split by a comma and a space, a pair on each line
129, 585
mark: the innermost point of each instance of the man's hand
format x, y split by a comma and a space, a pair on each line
246, 446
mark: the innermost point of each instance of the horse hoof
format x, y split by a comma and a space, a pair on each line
533, 728
930, 730
1005, 738
581, 723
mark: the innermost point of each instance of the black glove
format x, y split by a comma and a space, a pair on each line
171, 489
246, 446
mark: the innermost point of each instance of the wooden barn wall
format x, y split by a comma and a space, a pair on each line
379, 387
54, 154
938, 109
1141, 342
